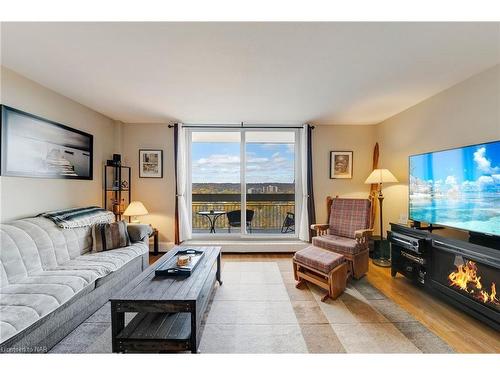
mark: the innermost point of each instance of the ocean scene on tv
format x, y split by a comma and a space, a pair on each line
459, 188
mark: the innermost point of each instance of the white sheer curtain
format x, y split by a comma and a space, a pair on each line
303, 223
185, 231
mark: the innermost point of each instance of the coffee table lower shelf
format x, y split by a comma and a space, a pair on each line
160, 332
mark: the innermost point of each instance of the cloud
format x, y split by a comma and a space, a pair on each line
450, 180
483, 164
289, 147
226, 168
218, 159
257, 160
269, 146
485, 180
483, 183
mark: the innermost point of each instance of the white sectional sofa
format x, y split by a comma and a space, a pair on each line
50, 282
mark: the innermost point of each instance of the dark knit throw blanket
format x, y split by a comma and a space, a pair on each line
79, 217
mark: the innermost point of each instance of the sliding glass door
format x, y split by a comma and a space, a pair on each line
243, 182
270, 182
215, 181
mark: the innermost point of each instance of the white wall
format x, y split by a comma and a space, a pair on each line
157, 194
357, 138
464, 114
21, 197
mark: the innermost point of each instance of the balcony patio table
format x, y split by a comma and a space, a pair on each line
212, 217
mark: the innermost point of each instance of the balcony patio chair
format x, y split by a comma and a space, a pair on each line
289, 223
234, 219
347, 232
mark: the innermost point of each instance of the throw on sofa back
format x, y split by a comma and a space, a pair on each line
348, 216
37, 243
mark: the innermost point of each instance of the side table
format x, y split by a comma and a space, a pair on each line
154, 234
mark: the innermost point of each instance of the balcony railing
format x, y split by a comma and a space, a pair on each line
270, 211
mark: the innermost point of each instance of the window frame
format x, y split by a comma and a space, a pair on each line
243, 235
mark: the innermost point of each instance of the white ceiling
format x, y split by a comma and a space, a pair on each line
333, 73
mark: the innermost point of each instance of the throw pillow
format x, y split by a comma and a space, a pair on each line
109, 236
139, 232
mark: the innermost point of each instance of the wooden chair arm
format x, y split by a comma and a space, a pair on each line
362, 235
320, 228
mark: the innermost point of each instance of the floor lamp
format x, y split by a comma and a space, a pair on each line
381, 176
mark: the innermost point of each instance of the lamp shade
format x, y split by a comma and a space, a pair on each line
135, 208
380, 176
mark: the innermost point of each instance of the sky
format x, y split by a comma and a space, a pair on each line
220, 162
479, 165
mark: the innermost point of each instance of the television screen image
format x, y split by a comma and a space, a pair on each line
458, 188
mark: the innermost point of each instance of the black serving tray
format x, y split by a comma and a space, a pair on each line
170, 268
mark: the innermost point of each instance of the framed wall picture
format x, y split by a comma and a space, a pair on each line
151, 163
341, 164
32, 146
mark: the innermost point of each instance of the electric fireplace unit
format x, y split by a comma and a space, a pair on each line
468, 276
462, 273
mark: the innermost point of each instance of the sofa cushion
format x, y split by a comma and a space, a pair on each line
87, 276
15, 319
19, 254
319, 259
35, 244
75, 283
348, 216
49, 293
111, 260
339, 244
21, 305
82, 264
54, 242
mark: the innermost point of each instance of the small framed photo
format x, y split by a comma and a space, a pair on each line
151, 163
341, 164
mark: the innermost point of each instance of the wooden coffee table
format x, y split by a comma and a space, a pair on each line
169, 310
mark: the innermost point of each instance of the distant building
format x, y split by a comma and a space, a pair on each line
270, 189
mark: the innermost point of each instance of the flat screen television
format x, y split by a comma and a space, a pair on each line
457, 188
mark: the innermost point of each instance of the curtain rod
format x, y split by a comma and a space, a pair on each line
234, 126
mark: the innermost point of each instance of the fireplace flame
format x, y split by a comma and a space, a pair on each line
466, 279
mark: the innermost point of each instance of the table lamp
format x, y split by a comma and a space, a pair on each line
134, 209
381, 176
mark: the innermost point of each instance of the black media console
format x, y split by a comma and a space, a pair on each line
462, 273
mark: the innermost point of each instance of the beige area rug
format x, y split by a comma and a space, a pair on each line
259, 310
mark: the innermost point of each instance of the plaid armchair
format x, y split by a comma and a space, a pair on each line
347, 232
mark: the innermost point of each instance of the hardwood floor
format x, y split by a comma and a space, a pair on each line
462, 332
154, 258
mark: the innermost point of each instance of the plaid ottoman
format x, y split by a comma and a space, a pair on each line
319, 259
